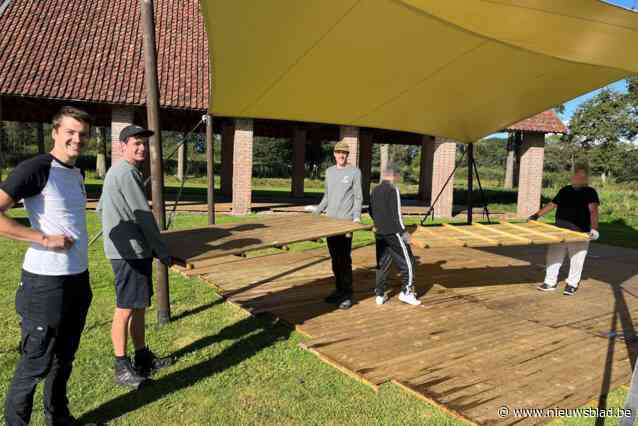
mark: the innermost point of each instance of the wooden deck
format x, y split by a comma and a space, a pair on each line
483, 338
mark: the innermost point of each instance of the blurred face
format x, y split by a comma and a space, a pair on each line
391, 177
134, 150
341, 158
579, 179
69, 139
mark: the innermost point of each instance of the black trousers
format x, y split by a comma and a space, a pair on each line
340, 248
391, 248
53, 311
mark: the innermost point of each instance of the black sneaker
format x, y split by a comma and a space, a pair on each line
65, 420
546, 287
570, 290
146, 362
334, 297
346, 303
125, 374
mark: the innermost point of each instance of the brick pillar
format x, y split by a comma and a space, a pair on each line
509, 162
384, 157
365, 161
298, 162
242, 166
530, 183
226, 174
426, 167
350, 134
443, 160
121, 116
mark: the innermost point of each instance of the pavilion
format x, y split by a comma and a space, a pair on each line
92, 58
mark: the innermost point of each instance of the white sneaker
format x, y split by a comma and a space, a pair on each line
381, 299
409, 298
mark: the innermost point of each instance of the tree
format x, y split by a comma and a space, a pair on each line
599, 125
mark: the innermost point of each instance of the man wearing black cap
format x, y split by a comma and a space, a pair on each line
131, 240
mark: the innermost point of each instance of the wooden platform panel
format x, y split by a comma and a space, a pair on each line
484, 336
493, 235
190, 247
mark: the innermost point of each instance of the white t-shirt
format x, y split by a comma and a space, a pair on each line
55, 199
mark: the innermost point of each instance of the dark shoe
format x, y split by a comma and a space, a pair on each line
334, 297
570, 290
546, 287
125, 375
66, 420
346, 303
146, 363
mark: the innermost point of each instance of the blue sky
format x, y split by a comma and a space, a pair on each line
619, 85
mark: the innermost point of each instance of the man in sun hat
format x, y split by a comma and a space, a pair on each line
342, 199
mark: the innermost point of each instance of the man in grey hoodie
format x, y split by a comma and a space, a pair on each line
342, 199
131, 240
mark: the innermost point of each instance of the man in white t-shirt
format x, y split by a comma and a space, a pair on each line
54, 294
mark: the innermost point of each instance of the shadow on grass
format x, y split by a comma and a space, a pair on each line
252, 335
196, 310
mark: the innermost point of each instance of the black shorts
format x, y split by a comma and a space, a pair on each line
133, 282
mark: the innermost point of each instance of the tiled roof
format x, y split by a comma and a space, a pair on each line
545, 122
92, 51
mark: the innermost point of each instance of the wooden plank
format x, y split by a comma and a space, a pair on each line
503, 233
533, 231
470, 234
581, 236
188, 247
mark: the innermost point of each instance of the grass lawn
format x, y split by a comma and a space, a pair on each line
232, 368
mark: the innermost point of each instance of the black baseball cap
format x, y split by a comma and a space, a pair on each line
134, 130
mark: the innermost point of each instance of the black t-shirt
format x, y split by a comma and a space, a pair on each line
573, 207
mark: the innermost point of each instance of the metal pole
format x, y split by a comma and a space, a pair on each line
470, 180
210, 169
157, 171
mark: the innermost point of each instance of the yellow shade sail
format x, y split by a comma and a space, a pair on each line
453, 68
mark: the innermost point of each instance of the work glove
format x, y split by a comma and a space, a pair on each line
349, 235
533, 217
406, 237
594, 235
310, 209
357, 220
167, 261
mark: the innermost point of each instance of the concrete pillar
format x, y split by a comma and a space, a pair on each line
226, 175
298, 162
242, 166
442, 165
365, 161
510, 159
426, 168
121, 116
384, 158
350, 135
181, 159
530, 182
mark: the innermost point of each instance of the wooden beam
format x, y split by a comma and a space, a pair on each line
580, 235
471, 234
157, 169
505, 234
210, 171
534, 231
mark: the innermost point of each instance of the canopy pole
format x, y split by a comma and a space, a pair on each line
157, 169
210, 172
470, 180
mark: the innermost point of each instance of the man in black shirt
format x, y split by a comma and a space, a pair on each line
577, 209
392, 241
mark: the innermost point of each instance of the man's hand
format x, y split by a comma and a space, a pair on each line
594, 235
406, 237
310, 209
56, 242
357, 220
533, 217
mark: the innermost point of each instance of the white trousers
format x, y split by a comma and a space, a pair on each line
555, 256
